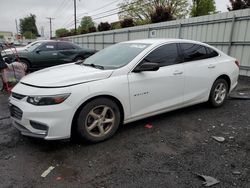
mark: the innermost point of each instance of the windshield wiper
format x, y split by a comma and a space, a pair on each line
94, 65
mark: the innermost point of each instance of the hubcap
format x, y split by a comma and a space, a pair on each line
220, 93
100, 121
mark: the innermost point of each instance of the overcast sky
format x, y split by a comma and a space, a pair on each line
62, 11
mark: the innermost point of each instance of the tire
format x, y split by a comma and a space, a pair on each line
98, 120
79, 58
218, 93
26, 63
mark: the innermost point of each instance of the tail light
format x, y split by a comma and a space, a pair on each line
237, 63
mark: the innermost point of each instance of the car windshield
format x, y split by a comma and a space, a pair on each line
33, 46
116, 56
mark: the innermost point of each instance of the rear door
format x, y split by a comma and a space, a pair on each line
153, 91
46, 55
66, 52
199, 67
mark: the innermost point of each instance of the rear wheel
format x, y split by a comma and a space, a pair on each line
98, 120
218, 93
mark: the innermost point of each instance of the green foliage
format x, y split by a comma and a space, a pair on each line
28, 26
160, 14
86, 23
104, 26
202, 7
61, 32
29, 35
116, 25
239, 4
1, 37
140, 10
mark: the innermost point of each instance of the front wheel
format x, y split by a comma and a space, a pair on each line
218, 93
98, 120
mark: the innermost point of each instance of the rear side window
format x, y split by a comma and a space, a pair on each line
193, 52
164, 55
65, 46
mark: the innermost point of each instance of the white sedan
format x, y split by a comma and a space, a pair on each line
121, 84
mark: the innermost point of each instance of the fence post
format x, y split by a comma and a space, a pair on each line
114, 37
231, 35
148, 32
88, 41
103, 41
179, 34
128, 34
94, 42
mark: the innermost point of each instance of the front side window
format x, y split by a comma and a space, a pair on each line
51, 46
164, 55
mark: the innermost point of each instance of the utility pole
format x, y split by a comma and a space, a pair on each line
16, 27
75, 13
50, 26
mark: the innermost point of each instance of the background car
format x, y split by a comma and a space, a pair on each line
44, 54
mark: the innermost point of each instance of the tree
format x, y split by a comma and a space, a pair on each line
104, 26
239, 4
202, 7
160, 14
61, 32
127, 22
28, 26
140, 10
86, 23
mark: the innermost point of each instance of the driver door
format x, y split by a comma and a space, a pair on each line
153, 91
46, 55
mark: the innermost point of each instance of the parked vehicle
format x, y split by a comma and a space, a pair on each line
44, 54
121, 84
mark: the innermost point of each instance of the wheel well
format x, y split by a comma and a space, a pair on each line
227, 78
74, 121
25, 60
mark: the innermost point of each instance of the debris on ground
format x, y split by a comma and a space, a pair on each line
236, 173
208, 180
59, 178
149, 126
46, 172
218, 138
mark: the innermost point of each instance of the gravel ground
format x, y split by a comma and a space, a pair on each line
178, 146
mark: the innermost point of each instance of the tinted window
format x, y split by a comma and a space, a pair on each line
164, 55
193, 52
211, 53
65, 46
51, 46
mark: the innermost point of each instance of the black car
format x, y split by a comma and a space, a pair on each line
51, 53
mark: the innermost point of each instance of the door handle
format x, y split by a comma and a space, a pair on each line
177, 73
54, 53
211, 66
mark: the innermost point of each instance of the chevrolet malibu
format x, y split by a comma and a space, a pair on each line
121, 84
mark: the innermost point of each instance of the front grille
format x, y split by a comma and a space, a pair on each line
17, 96
16, 112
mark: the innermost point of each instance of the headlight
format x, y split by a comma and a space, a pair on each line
47, 100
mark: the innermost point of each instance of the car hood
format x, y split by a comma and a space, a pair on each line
64, 76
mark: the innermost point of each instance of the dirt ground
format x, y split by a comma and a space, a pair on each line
178, 146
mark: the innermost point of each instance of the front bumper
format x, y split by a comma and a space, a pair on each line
46, 122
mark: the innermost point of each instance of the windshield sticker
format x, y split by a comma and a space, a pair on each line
141, 46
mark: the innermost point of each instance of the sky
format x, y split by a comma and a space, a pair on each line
63, 12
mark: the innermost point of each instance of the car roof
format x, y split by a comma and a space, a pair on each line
162, 40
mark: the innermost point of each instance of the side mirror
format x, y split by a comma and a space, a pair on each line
147, 66
38, 51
